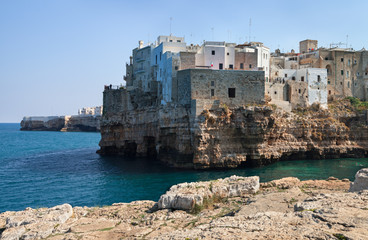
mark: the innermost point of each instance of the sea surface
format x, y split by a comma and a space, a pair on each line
44, 169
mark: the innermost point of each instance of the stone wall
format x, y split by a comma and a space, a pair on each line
247, 86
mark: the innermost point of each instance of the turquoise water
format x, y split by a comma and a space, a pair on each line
43, 169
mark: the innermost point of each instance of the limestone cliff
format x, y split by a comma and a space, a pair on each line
62, 123
226, 138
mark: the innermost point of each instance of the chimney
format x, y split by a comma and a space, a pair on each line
131, 60
140, 44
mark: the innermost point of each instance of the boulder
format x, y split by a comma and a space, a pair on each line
361, 181
185, 196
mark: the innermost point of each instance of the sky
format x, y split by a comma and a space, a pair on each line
56, 56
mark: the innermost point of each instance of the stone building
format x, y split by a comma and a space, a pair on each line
253, 56
206, 88
345, 67
299, 87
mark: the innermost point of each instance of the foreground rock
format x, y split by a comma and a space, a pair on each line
186, 196
282, 209
361, 181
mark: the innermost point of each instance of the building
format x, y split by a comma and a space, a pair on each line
299, 88
90, 111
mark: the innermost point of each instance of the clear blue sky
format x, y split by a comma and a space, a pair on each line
56, 56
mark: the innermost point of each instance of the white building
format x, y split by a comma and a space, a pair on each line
90, 111
216, 55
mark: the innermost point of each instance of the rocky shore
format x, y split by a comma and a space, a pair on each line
230, 208
75, 123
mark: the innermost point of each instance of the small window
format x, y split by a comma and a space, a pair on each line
342, 59
349, 62
292, 78
342, 72
213, 52
318, 78
326, 58
231, 66
355, 62
348, 84
231, 92
285, 75
357, 73
176, 68
366, 73
300, 90
170, 40
212, 92
347, 74
275, 92
302, 79
212, 83
156, 59
250, 65
328, 82
340, 83
241, 65
221, 66
228, 54
329, 92
178, 40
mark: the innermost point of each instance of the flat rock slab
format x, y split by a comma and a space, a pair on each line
185, 196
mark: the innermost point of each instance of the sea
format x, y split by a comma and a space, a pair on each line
44, 169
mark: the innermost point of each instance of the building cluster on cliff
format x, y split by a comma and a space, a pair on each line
203, 76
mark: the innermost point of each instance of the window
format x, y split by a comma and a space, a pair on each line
156, 59
170, 40
212, 83
326, 58
347, 74
348, 84
221, 66
302, 79
275, 92
328, 82
241, 65
228, 54
285, 75
213, 52
355, 61
178, 40
329, 92
231, 92
300, 90
250, 65
292, 78
349, 62
342, 59
176, 68
318, 78
231, 66
340, 83
342, 72
212, 92
357, 74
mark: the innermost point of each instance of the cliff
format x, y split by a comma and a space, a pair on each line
62, 123
209, 136
231, 208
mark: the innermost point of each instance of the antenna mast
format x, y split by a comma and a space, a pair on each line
250, 28
170, 25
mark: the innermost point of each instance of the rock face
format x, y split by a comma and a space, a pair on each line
282, 209
62, 123
35, 223
361, 181
186, 196
227, 138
